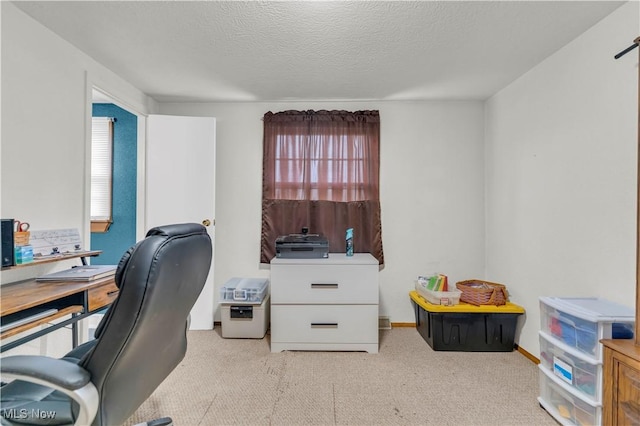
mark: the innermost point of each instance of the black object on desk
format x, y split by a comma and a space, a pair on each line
6, 249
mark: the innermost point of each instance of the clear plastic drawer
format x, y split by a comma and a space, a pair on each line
577, 370
564, 405
580, 323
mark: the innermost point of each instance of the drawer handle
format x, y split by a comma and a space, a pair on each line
324, 325
324, 285
110, 293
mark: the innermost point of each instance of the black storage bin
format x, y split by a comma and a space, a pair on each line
467, 332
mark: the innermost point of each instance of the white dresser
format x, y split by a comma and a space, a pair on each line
325, 304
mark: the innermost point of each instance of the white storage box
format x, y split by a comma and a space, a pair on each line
438, 297
566, 406
249, 290
574, 368
244, 320
581, 322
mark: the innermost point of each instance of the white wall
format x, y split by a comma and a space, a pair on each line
431, 166
560, 168
561, 174
431, 190
45, 117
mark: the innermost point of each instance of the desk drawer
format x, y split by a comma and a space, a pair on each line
324, 323
102, 296
324, 284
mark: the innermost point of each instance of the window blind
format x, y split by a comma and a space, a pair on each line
101, 167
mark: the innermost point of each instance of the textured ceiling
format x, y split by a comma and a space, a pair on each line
316, 50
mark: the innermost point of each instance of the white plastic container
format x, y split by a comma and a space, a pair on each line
574, 368
439, 297
567, 406
581, 323
247, 290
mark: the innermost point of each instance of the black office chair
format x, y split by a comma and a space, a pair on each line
141, 339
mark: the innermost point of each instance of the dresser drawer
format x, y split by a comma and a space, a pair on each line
326, 284
324, 323
102, 296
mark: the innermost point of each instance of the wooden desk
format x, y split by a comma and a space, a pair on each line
78, 299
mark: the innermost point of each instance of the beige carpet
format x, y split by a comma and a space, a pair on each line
240, 382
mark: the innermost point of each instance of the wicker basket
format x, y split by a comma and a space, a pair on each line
479, 292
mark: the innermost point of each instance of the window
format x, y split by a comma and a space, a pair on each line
321, 171
333, 169
101, 173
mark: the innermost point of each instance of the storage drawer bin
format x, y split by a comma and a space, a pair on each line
250, 290
580, 323
565, 405
574, 368
465, 327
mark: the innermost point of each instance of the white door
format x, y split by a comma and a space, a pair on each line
180, 177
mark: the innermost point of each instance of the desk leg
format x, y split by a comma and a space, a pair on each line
74, 333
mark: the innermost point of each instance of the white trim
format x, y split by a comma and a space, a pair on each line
92, 83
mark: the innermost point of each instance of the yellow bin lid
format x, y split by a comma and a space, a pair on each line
509, 308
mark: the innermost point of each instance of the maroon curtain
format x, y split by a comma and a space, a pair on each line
321, 171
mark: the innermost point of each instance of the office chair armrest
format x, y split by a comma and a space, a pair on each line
63, 376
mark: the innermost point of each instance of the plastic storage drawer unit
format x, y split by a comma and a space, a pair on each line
581, 323
579, 371
465, 327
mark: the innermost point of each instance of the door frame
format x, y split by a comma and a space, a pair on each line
104, 89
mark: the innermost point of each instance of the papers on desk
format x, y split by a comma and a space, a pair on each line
81, 273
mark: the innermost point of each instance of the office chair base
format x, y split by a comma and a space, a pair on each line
164, 421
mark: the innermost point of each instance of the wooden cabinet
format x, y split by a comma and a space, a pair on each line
621, 394
325, 304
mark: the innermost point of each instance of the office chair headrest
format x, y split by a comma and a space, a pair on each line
177, 229
162, 231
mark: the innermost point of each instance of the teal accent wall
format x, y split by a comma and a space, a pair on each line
122, 233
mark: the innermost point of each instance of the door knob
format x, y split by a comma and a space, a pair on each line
206, 222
